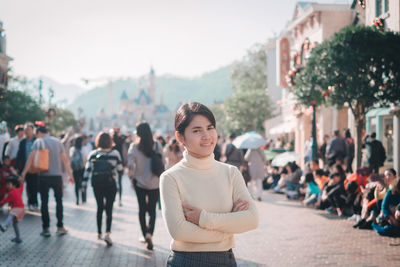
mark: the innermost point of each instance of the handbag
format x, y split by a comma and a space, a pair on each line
40, 158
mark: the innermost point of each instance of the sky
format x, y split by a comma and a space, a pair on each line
101, 39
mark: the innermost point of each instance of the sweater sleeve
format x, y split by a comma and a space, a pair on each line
233, 222
178, 227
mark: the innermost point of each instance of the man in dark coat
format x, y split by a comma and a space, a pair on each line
377, 154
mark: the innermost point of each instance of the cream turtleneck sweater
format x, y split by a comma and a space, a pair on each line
213, 187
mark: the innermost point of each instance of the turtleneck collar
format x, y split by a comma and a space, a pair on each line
198, 163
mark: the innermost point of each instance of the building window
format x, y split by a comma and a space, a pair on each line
386, 6
382, 6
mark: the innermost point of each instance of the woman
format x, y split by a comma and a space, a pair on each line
172, 153
145, 182
204, 202
102, 168
256, 161
78, 167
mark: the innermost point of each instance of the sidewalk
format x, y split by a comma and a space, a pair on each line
288, 235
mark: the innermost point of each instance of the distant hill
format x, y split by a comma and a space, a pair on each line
208, 88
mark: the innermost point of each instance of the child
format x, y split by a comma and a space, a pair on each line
17, 207
310, 189
6, 171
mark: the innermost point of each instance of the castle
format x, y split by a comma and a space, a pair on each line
141, 108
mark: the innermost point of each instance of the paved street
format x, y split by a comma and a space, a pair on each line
288, 235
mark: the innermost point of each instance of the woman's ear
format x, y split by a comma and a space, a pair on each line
179, 137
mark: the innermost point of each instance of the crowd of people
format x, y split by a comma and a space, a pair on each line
328, 183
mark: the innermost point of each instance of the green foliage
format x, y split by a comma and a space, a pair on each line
62, 120
19, 107
247, 110
359, 65
220, 118
251, 72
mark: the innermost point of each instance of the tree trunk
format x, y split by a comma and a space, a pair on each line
360, 124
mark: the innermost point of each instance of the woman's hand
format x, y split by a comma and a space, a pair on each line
192, 214
240, 205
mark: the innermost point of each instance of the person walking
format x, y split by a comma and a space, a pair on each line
256, 160
204, 201
350, 151
13, 145
78, 160
172, 153
233, 155
119, 145
145, 182
102, 167
52, 178
337, 149
377, 153
32, 179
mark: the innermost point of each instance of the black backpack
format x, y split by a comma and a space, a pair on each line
157, 166
102, 174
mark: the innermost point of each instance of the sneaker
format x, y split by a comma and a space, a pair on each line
120, 204
99, 236
149, 241
2, 228
366, 226
45, 233
142, 239
108, 240
360, 223
16, 240
31, 207
61, 231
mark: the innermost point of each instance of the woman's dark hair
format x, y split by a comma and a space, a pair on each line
309, 178
146, 138
161, 140
78, 142
293, 166
187, 112
14, 181
392, 171
319, 172
341, 172
347, 133
173, 146
352, 187
103, 140
396, 187
333, 175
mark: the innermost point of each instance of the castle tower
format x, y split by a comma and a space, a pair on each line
152, 85
124, 103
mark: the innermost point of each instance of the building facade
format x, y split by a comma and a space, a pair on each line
311, 24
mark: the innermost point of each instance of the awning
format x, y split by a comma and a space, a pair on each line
284, 127
376, 112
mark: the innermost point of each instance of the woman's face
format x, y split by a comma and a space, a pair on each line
199, 138
389, 177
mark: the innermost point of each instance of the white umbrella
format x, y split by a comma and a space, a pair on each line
250, 140
285, 158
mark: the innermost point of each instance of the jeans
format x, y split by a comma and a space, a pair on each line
105, 196
149, 206
32, 188
45, 183
78, 177
292, 186
12, 219
200, 259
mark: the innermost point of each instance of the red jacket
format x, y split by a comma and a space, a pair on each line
14, 198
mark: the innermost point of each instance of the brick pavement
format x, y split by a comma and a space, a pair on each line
288, 235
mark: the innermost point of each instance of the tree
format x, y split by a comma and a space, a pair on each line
251, 72
250, 105
19, 107
62, 120
358, 67
247, 110
220, 117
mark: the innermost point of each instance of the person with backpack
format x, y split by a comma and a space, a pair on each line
145, 162
78, 167
102, 167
